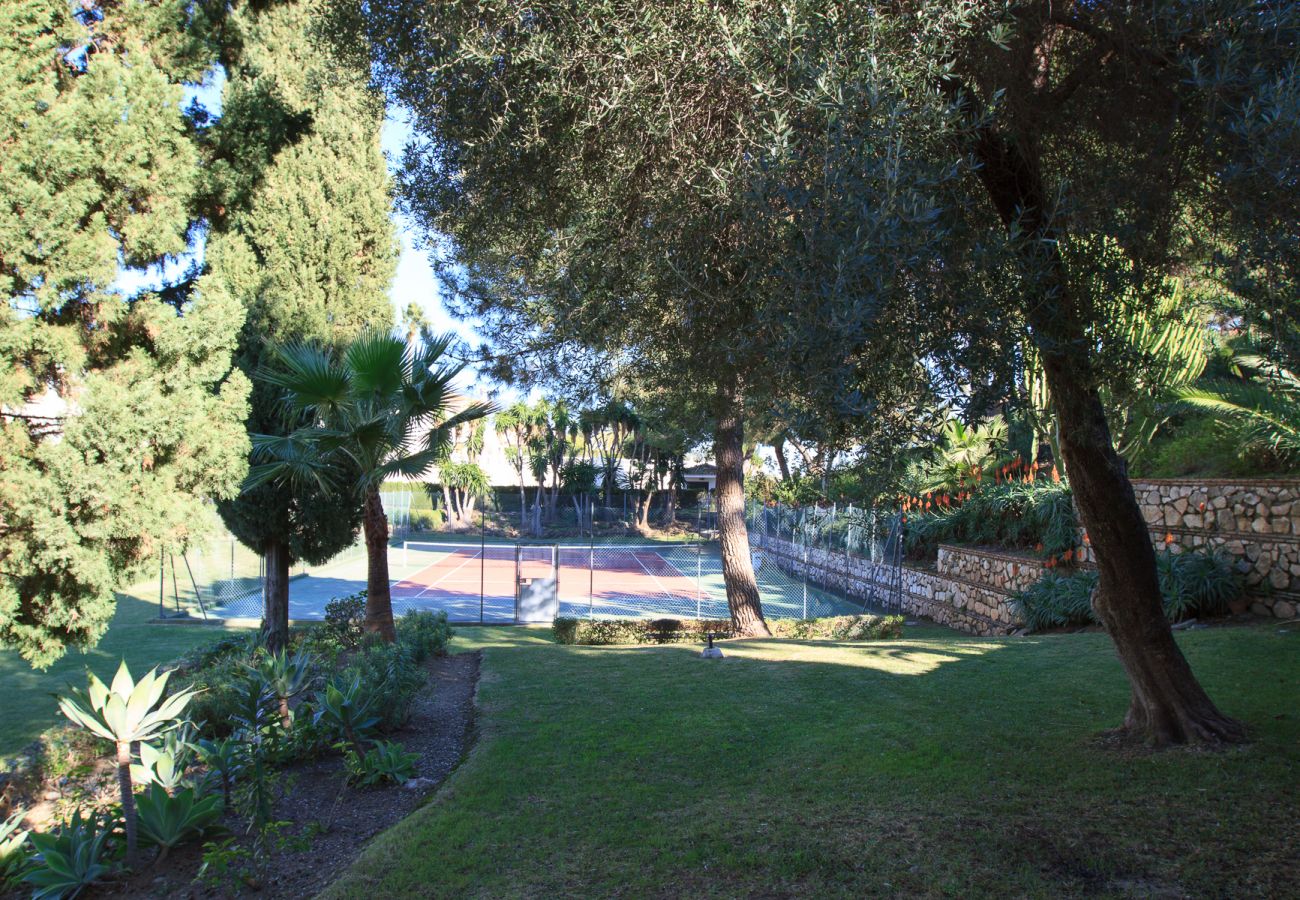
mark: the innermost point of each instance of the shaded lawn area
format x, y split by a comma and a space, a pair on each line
934, 765
28, 706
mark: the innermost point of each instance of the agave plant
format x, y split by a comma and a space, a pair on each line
167, 820
13, 841
165, 765
69, 859
125, 712
345, 707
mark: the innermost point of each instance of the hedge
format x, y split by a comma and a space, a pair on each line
673, 631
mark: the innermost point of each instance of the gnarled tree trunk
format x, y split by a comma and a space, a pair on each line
737, 566
379, 601
1168, 705
275, 588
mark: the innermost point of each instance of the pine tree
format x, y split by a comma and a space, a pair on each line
300, 194
119, 414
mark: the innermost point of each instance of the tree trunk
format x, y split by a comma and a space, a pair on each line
1168, 705
446, 500
275, 586
649, 500
670, 507
128, 798
737, 566
523, 505
782, 464
379, 601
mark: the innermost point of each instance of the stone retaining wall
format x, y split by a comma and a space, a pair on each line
951, 600
1256, 522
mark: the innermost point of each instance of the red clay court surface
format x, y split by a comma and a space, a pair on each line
471, 581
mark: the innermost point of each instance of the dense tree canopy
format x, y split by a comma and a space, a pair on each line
304, 240
120, 414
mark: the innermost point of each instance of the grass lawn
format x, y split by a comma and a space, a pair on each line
29, 706
933, 765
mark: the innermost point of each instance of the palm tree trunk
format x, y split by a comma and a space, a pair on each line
379, 600
275, 587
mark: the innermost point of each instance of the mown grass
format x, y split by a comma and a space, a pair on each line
933, 765
28, 706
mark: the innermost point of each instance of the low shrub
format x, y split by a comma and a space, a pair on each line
221, 694
13, 849
672, 631
598, 632
70, 858
385, 761
425, 633
1192, 583
345, 618
839, 628
1032, 515
426, 519
168, 820
391, 676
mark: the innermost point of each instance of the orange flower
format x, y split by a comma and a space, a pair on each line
1069, 555
1038, 548
1086, 539
1169, 537
1051, 563
1056, 475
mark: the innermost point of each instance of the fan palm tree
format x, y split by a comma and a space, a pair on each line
382, 409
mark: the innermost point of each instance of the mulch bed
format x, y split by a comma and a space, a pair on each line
440, 730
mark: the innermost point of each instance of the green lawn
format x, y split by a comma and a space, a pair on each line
29, 706
933, 765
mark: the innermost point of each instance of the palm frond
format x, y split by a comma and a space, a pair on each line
379, 364
313, 382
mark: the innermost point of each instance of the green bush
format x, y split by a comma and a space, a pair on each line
1017, 514
1206, 447
425, 633
426, 519
221, 687
70, 858
672, 631
839, 628
1192, 583
167, 820
344, 620
636, 631
391, 676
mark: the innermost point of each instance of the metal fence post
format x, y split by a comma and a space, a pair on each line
805, 575
591, 578
699, 588
482, 571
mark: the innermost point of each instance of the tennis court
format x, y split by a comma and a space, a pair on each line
516, 582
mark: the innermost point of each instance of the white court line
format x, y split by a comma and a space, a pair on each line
667, 593
445, 575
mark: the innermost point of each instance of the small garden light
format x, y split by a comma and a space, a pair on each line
710, 652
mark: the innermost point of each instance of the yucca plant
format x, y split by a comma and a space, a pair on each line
165, 765
125, 712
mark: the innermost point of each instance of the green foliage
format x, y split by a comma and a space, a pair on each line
13, 848
391, 676
636, 631
346, 707
426, 519
840, 628
121, 419
126, 711
963, 452
165, 765
1037, 515
385, 761
1203, 446
224, 759
425, 633
70, 858
284, 677
1192, 583
167, 820
1265, 407
343, 620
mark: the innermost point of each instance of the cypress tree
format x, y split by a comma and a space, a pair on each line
300, 197
119, 415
